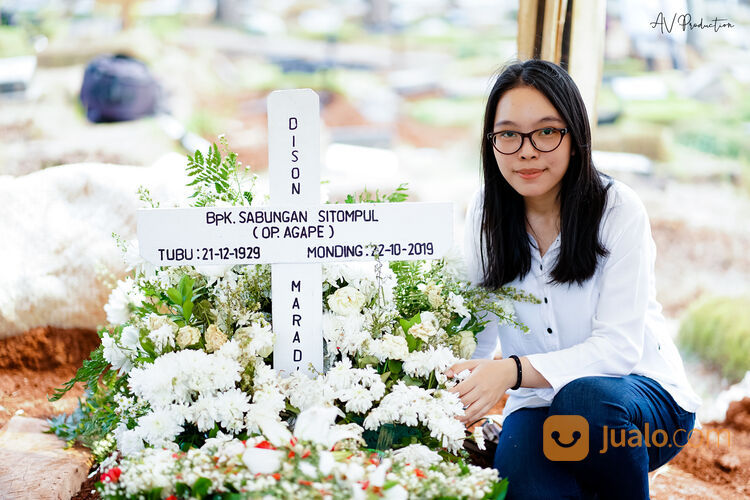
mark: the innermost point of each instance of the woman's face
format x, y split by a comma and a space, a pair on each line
531, 173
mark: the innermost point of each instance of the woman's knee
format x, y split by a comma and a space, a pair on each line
598, 399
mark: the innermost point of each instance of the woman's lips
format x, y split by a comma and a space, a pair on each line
530, 173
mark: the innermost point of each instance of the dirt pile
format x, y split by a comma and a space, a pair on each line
36, 363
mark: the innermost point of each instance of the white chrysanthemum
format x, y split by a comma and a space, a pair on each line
115, 355
412, 405
341, 375
423, 363
417, 455
162, 338
304, 392
120, 300
344, 333
231, 407
129, 442
160, 426
358, 399
180, 376
204, 413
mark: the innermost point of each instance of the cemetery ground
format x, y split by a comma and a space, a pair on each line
701, 244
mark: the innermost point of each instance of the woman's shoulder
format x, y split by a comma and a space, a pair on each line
624, 211
622, 200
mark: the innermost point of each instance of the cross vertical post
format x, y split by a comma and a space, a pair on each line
294, 176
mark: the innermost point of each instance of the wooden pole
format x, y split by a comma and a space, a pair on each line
569, 33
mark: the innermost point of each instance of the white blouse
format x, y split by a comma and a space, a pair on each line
611, 325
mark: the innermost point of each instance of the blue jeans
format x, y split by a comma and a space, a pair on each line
620, 406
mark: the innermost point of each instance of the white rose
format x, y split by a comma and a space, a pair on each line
389, 346
423, 330
346, 301
215, 338
188, 335
434, 294
466, 345
156, 321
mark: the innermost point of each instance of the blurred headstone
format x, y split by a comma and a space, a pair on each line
16, 73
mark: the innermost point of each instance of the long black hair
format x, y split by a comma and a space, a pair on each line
582, 194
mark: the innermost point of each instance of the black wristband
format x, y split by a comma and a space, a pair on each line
519, 373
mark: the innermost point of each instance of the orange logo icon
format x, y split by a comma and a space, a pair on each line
566, 438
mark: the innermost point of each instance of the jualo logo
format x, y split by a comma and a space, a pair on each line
566, 438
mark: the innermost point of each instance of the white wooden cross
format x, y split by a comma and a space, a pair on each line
296, 233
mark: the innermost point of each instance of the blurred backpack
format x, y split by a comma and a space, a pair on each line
118, 88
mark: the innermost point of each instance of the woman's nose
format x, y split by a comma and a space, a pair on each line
527, 149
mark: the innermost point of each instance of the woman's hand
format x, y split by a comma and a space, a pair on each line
489, 380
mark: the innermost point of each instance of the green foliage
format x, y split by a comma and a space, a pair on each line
182, 298
717, 329
94, 418
145, 196
399, 195
88, 374
499, 491
217, 177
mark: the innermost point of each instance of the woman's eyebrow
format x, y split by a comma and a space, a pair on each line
545, 119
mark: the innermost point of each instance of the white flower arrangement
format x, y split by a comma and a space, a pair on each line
183, 401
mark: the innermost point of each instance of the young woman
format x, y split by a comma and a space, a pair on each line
548, 223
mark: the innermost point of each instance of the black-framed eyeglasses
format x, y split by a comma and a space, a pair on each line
544, 139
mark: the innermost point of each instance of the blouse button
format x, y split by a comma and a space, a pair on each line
545, 300
541, 268
549, 330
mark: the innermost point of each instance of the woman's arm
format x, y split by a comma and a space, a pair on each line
490, 379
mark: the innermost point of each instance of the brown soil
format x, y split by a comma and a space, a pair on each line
726, 462
87, 490
34, 364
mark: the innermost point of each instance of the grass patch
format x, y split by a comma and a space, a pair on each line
717, 329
